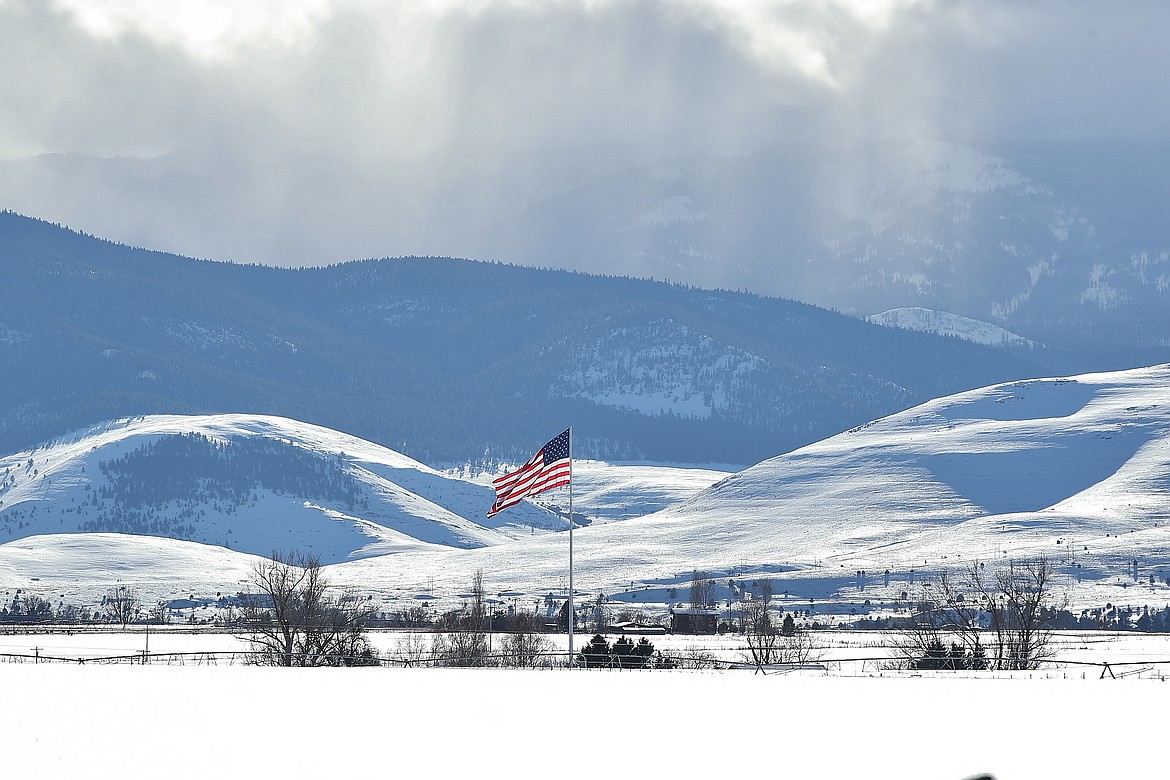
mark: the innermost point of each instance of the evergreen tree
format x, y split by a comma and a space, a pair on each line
596, 654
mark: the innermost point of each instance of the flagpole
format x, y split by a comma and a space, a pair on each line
570, 602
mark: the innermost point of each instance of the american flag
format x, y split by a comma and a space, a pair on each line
548, 469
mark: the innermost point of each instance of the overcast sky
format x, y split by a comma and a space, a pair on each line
460, 111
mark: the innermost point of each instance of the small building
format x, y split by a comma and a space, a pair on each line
635, 628
692, 620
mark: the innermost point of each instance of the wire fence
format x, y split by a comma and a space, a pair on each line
876, 659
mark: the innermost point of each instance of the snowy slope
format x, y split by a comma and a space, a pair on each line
605, 492
396, 503
1077, 469
945, 323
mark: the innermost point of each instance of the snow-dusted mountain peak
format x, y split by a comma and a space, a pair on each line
945, 323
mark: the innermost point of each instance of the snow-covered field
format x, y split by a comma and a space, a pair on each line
193, 721
833, 653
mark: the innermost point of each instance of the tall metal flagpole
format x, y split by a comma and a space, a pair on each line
570, 603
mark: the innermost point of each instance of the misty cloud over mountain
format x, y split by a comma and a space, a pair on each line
999, 161
372, 131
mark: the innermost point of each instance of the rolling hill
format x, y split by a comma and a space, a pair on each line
1075, 469
250, 484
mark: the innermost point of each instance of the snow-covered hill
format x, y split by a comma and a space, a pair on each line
252, 484
1075, 469
182, 504
945, 323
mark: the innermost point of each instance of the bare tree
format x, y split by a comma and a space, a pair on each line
761, 632
296, 622
1008, 606
944, 629
696, 657
461, 648
160, 613
524, 646
600, 614
121, 604
1021, 598
769, 643
798, 648
414, 616
468, 644
702, 590
413, 649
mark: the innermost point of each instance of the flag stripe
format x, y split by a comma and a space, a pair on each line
549, 468
525, 484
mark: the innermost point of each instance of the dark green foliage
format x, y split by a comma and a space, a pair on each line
443, 359
951, 658
596, 654
938, 656
624, 654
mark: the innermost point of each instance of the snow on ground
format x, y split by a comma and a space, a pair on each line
945, 323
835, 653
1073, 469
838, 719
192, 722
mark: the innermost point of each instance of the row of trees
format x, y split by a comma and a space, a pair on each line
998, 618
120, 605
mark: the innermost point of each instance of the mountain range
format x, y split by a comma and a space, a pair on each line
1063, 242
453, 361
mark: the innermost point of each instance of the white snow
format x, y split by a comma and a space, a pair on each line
674, 210
1075, 469
193, 722
670, 369
1044, 467
946, 323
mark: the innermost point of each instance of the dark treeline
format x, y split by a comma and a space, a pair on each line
191, 466
167, 487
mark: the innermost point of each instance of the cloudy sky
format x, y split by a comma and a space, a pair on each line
303, 131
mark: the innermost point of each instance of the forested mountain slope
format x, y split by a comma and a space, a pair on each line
450, 360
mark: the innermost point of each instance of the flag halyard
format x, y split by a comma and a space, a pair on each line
549, 468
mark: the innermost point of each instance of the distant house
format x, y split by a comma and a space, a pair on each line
684, 620
635, 628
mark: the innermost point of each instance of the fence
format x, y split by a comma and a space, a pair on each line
858, 653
